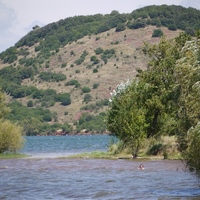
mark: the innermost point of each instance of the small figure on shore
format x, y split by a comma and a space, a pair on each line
141, 167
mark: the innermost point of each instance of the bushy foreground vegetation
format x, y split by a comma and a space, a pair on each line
163, 100
11, 138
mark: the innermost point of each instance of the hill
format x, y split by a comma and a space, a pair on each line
63, 73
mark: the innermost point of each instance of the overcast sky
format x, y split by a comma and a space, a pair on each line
17, 17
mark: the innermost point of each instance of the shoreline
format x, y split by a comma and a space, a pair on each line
91, 155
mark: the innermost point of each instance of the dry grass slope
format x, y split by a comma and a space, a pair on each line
121, 67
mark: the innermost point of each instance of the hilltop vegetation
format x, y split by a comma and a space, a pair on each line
61, 75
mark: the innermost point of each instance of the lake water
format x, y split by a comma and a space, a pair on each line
46, 176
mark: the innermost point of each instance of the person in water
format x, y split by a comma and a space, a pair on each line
141, 167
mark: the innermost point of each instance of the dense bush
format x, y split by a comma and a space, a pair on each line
11, 138
73, 82
92, 123
98, 51
95, 85
85, 89
20, 112
94, 59
64, 98
120, 27
49, 76
82, 58
157, 33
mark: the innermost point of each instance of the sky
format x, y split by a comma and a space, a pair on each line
17, 17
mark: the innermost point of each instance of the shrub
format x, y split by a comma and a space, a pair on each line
86, 89
94, 59
120, 27
95, 70
98, 51
49, 76
95, 85
11, 138
157, 33
73, 82
87, 98
30, 103
172, 27
64, 99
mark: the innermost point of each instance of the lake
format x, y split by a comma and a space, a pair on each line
46, 176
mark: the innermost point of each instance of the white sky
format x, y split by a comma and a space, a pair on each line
17, 17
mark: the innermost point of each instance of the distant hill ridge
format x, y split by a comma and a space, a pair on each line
67, 69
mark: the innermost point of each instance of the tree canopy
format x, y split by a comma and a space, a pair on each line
162, 100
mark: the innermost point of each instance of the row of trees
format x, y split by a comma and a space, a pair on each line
162, 100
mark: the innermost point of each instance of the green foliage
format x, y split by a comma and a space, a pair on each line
10, 55
18, 74
32, 126
157, 33
95, 70
11, 138
120, 27
85, 89
98, 51
126, 118
191, 155
73, 82
82, 58
139, 23
108, 53
56, 35
20, 112
95, 85
64, 98
173, 17
4, 110
30, 103
164, 100
92, 123
96, 106
94, 59
49, 76
87, 98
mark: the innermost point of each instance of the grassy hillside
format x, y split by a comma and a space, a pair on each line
83, 58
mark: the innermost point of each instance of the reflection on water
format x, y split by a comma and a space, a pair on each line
95, 179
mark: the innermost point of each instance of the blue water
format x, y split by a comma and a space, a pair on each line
56, 146
44, 175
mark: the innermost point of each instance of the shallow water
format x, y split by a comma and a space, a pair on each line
55, 178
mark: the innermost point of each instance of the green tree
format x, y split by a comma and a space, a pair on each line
192, 155
188, 88
160, 81
126, 118
32, 126
11, 138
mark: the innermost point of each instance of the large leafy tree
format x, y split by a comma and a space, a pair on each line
168, 101
126, 118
